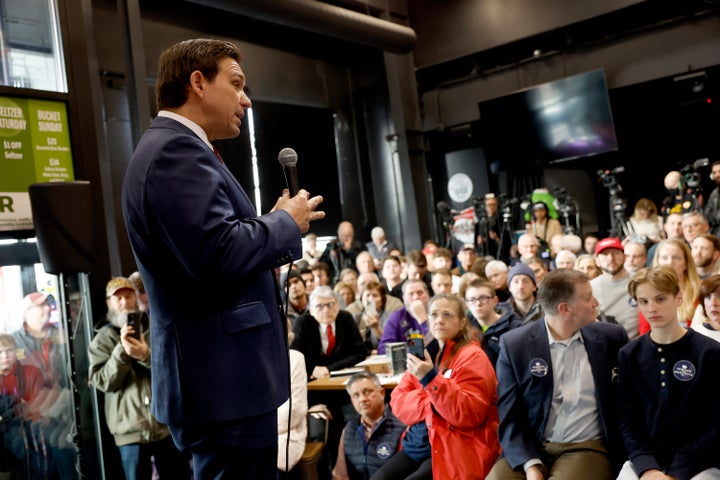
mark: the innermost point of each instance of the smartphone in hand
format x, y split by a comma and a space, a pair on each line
136, 321
370, 308
415, 345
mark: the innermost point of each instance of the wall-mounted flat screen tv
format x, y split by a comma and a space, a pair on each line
552, 122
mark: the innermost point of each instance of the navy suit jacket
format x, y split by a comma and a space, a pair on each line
219, 344
524, 399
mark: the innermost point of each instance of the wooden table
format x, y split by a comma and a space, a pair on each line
338, 383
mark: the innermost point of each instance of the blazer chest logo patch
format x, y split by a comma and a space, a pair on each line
538, 367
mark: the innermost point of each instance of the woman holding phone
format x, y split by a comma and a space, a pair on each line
448, 400
371, 321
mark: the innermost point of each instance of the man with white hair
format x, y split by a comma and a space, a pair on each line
379, 247
565, 259
497, 272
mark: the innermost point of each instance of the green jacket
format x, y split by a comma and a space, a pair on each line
126, 383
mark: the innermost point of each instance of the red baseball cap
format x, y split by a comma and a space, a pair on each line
605, 243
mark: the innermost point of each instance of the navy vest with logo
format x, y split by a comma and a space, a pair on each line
363, 460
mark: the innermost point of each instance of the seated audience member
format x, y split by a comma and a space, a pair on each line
376, 310
557, 402
586, 263
391, 303
693, 224
417, 268
443, 258
480, 264
327, 336
21, 389
497, 272
610, 288
411, 318
448, 400
635, 253
672, 226
466, 256
291, 449
321, 271
119, 357
379, 246
707, 317
539, 268
523, 286
565, 259
298, 299
429, 249
395, 252
665, 379
344, 293
705, 253
676, 254
481, 301
391, 272
349, 276
309, 278
465, 280
589, 243
364, 263
369, 440
441, 281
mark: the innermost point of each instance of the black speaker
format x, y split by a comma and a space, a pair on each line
63, 226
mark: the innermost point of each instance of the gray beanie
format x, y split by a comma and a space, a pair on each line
521, 269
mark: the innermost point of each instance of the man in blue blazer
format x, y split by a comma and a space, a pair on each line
556, 389
219, 346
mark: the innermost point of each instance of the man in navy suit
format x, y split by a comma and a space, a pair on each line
556, 389
219, 361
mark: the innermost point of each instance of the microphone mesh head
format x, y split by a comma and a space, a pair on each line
287, 157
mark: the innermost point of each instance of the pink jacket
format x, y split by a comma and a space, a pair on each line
459, 407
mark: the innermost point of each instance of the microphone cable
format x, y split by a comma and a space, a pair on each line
287, 342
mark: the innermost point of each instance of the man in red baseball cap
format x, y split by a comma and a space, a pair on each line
610, 288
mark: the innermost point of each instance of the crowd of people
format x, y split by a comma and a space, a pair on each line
525, 360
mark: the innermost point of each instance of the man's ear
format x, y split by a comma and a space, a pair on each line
197, 83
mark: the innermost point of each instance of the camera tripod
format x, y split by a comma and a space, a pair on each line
618, 224
506, 232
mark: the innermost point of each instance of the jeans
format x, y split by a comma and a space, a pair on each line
170, 463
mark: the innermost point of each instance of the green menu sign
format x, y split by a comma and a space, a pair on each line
35, 146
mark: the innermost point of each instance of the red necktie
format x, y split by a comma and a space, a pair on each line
217, 154
331, 341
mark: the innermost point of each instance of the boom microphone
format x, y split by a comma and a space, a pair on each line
288, 159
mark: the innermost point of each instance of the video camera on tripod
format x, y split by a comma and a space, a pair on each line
691, 178
619, 226
565, 206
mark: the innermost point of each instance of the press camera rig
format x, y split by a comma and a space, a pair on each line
618, 223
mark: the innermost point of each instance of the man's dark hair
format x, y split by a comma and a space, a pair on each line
321, 266
417, 258
177, 63
295, 274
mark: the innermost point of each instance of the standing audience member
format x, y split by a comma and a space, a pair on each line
497, 272
557, 401
341, 253
665, 379
610, 288
712, 206
705, 251
707, 318
210, 241
327, 336
21, 391
291, 447
42, 343
449, 402
310, 252
482, 301
676, 254
542, 226
369, 440
645, 220
586, 263
635, 254
411, 318
379, 246
119, 357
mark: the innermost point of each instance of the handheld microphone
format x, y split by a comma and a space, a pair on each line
288, 159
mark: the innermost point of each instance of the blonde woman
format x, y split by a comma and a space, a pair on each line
586, 263
676, 254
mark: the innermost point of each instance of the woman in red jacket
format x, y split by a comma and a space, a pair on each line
448, 400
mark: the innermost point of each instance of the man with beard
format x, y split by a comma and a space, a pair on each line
610, 288
705, 253
119, 358
712, 207
635, 254
522, 283
297, 296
